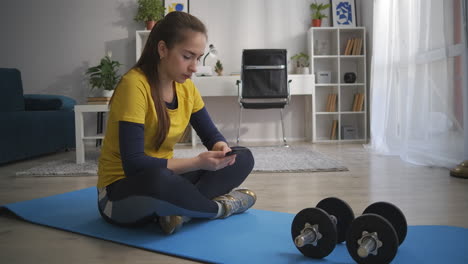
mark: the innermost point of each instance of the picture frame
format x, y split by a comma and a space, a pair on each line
176, 5
344, 13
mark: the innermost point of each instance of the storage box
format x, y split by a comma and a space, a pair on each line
348, 132
323, 77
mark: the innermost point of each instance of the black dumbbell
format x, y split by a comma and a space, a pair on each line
374, 237
316, 231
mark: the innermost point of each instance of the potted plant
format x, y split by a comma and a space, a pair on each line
105, 75
219, 68
302, 63
150, 11
317, 14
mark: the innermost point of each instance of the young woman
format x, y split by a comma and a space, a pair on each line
139, 180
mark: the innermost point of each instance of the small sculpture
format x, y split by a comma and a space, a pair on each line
349, 77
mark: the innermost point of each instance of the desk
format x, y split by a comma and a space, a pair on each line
79, 127
226, 86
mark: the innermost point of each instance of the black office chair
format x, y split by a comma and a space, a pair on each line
264, 82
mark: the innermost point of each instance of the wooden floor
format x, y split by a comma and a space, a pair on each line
427, 196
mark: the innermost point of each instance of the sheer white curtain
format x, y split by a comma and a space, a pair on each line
415, 91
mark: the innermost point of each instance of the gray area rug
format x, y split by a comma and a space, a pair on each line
267, 159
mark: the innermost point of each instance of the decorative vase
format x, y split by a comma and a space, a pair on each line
302, 70
150, 24
349, 77
305, 70
316, 22
107, 93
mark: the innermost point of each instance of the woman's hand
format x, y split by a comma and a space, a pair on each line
223, 146
209, 160
214, 160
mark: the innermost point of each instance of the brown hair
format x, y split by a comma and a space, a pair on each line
171, 29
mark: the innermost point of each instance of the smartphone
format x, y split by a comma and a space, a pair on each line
232, 152
235, 150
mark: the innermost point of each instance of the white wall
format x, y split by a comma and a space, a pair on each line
237, 25
53, 42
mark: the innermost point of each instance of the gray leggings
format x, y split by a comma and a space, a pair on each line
138, 199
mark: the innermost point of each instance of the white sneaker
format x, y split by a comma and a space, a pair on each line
237, 201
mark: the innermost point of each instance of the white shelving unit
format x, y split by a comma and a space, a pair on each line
327, 47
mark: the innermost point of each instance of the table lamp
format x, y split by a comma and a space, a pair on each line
207, 70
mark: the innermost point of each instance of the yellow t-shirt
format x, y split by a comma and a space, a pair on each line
132, 102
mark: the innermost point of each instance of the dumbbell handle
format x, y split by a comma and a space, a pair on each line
309, 236
368, 244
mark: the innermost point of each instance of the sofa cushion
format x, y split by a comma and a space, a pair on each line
11, 89
48, 102
33, 104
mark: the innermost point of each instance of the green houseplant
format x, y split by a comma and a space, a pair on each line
302, 62
219, 68
317, 14
149, 11
302, 59
105, 75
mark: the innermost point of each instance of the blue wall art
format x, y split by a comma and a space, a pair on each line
176, 5
344, 14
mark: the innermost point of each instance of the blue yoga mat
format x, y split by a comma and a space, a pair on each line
255, 236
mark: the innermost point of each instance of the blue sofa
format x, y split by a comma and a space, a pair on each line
32, 124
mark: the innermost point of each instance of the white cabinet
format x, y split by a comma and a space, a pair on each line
339, 110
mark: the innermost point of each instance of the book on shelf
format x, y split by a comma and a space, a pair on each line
358, 102
358, 47
355, 102
361, 102
331, 102
98, 100
353, 52
353, 46
349, 46
333, 105
334, 128
98, 103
